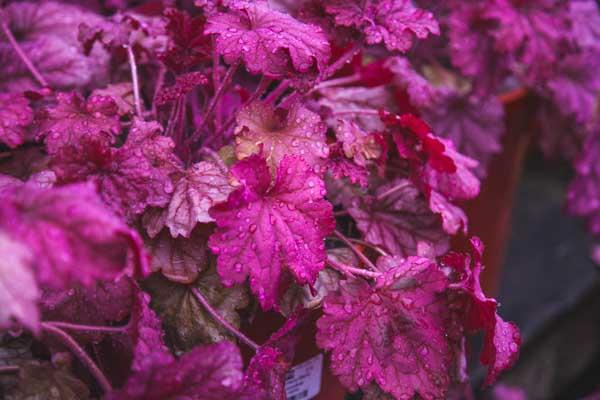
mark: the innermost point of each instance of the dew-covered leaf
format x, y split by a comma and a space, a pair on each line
264, 230
74, 118
392, 22
275, 133
268, 41
393, 333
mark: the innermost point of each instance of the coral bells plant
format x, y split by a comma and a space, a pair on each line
169, 170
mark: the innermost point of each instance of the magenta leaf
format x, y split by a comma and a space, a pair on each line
47, 33
188, 46
72, 235
575, 85
145, 331
268, 41
129, 178
19, 293
393, 333
275, 133
74, 118
212, 372
461, 184
393, 22
400, 222
262, 229
502, 339
16, 116
473, 123
101, 304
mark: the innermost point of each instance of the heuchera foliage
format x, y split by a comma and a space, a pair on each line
306, 158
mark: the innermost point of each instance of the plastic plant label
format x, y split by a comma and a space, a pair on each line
303, 382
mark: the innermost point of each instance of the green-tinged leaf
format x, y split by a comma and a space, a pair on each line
186, 322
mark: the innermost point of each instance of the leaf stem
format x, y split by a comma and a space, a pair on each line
159, 84
13, 42
136, 83
364, 111
83, 357
367, 244
220, 91
390, 191
88, 328
200, 297
340, 62
278, 91
351, 271
359, 253
336, 82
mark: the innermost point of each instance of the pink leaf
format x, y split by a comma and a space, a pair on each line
129, 178
74, 118
401, 222
393, 333
212, 372
502, 339
393, 22
262, 229
268, 41
15, 115
72, 235
18, 290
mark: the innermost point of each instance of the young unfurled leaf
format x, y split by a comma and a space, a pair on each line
15, 116
393, 22
18, 290
268, 41
393, 333
212, 372
274, 133
43, 381
74, 118
401, 222
187, 323
264, 230
72, 235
